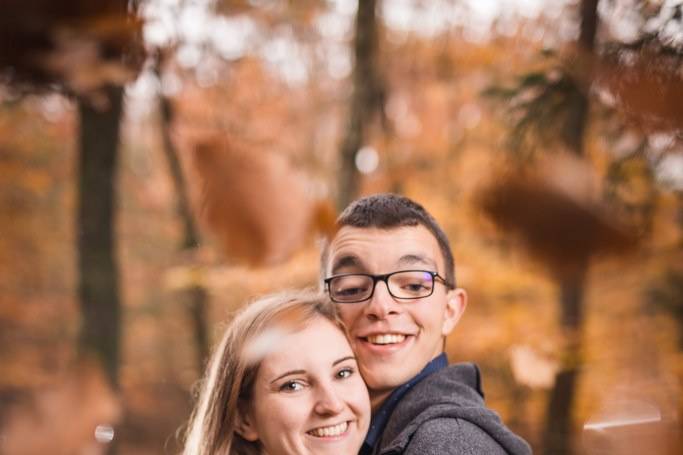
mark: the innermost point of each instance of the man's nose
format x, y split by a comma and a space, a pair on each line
382, 303
328, 400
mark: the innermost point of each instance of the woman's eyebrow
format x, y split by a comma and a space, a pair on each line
288, 374
343, 359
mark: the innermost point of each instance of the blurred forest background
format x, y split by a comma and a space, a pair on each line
163, 161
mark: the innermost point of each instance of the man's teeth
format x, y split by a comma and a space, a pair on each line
386, 339
327, 432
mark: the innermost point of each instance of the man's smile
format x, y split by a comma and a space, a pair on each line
387, 338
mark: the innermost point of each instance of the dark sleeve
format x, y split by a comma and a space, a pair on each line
445, 436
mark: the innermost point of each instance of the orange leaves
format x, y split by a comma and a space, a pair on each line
646, 86
255, 204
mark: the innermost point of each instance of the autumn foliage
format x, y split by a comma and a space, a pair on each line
77, 44
260, 153
554, 208
256, 204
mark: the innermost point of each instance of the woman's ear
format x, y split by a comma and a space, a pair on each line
244, 427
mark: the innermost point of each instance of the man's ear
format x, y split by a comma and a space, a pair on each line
456, 302
244, 426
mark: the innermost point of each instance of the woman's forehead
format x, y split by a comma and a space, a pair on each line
288, 345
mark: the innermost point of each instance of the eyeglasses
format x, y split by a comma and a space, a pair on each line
403, 285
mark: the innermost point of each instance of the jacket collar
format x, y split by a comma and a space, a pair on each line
381, 416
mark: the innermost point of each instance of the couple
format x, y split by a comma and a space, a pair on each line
290, 374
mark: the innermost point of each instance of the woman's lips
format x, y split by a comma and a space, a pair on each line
331, 431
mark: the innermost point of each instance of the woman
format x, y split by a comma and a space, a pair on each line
283, 380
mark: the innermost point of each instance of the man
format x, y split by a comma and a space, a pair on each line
390, 269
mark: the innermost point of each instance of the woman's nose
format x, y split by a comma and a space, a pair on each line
329, 400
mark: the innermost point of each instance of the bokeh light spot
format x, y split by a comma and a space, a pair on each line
367, 160
104, 434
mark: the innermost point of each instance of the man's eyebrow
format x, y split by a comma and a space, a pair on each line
343, 359
346, 261
288, 374
410, 259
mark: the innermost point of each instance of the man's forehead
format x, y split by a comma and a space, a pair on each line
368, 248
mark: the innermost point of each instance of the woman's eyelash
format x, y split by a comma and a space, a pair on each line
346, 372
291, 386
294, 385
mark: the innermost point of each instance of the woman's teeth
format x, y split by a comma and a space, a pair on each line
386, 339
326, 432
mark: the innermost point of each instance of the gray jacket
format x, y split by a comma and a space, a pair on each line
445, 414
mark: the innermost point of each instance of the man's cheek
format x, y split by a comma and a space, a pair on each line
348, 317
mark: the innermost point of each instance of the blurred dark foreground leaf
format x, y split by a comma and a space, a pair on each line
77, 45
256, 205
552, 209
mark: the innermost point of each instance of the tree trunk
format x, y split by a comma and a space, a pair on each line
197, 302
558, 433
366, 99
589, 24
98, 287
576, 121
679, 217
190, 233
196, 297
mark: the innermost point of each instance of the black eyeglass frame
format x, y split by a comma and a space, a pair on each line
436, 278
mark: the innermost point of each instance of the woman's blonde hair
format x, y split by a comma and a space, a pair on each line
234, 363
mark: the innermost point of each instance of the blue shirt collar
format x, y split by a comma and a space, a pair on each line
381, 417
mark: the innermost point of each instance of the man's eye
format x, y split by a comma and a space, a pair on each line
350, 291
291, 386
414, 286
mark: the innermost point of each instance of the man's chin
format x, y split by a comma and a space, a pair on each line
383, 381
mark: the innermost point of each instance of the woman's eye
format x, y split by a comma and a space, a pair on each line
345, 373
291, 386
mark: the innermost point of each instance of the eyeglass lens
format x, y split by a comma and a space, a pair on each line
402, 285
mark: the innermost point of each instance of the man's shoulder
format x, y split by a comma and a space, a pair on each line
455, 385
465, 374
447, 435
434, 404
448, 405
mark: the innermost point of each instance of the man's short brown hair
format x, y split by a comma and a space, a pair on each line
387, 211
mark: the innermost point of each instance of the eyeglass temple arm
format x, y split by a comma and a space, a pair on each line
447, 283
